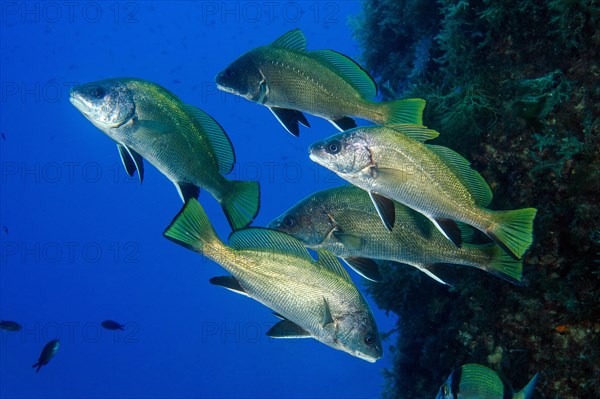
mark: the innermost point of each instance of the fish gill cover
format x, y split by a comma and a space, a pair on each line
515, 87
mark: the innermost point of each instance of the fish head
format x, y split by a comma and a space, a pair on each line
107, 103
356, 333
346, 153
307, 221
243, 78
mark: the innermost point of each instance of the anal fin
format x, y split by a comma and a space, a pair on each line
441, 273
289, 118
449, 229
385, 208
366, 267
187, 190
344, 123
302, 119
230, 283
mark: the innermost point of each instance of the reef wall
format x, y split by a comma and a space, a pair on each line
514, 86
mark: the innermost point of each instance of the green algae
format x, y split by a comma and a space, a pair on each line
515, 87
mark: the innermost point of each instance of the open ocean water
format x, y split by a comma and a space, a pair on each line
81, 241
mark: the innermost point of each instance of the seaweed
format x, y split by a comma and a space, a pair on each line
515, 87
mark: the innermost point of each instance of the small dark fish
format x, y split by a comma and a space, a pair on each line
474, 381
9, 325
3, 136
5, 229
112, 325
47, 353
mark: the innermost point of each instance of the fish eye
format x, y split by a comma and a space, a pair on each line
228, 73
333, 147
289, 222
369, 339
98, 92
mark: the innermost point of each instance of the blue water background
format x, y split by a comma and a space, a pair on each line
81, 241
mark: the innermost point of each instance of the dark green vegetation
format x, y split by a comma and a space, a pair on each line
515, 87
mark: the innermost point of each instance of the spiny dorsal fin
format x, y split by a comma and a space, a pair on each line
416, 132
353, 73
294, 40
257, 238
472, 180
217, 137
329, 261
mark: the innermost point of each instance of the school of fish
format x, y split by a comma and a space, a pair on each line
409, 202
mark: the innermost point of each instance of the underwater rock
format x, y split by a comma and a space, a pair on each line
523, 104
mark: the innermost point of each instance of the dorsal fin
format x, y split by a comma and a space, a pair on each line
217, 137
294, 40
416, 132
472, 180
353, 73
264, 239
329, 261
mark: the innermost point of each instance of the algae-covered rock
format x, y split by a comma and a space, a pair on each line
514, 86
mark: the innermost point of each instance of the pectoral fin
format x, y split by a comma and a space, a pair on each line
344, 123
132, 161
350, 241
230, 283
366, 267
187, 190
449, 229
152, 129
385, 208
327, 318
289, 118
287, 329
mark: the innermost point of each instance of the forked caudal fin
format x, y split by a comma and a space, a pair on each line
500, 264
404, 111
191, 227
527, 392
241, 203
513, 230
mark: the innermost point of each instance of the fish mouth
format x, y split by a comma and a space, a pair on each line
313, 153
368, 358
274, 224
224, 88
78, 101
